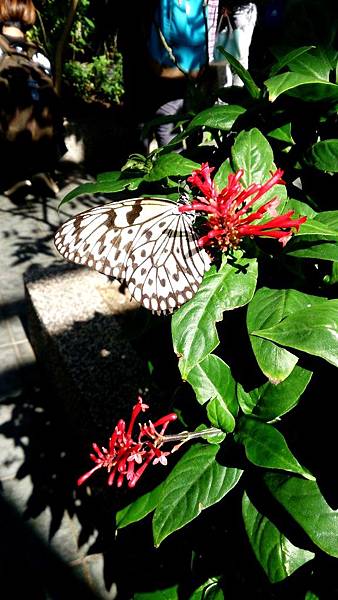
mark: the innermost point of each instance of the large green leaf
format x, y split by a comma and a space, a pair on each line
217, 117
270, 401
312, 247
139, 509
316, 227
306, 87
316, 63
194, 324
317, 238
105, 186
304, 502
212, 381
324, 156
277, 555
169, 165
267, 308
328, 218
313, 330
289, 57
265, 446
253, 153
196, 482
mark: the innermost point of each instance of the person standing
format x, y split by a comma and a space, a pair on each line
31, 134
162, 71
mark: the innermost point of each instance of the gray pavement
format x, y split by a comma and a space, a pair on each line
49, 536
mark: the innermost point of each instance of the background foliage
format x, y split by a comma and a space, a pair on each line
92, 64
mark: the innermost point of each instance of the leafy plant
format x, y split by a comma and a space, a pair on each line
258, 341
92, 68
100, 79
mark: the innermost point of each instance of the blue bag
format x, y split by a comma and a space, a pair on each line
178, 37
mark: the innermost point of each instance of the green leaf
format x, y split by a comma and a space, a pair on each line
277, 555
253, 153
139, 509
311, 596
209, 590
312, 247
289, 57
317, 238
211, 439
103, 187
219, 415
332, 278
329, 218
306, 87
266, 447
108, 177
270, 401
221, 177
212, 381
196, 482
245, 76
216, 117
194, 324
212, 378
301, 209
303, 500
316, 63
313, 330
282, 133
267, 308
165, 594
170, 165
316, 227
324, 156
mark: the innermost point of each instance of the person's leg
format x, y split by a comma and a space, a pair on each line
164, 132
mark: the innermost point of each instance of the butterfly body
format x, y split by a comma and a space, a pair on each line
146, 242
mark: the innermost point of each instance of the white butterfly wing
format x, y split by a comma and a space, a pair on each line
146, 242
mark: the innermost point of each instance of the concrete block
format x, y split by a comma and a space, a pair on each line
79, 341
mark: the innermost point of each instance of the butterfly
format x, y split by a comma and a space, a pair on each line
145, 242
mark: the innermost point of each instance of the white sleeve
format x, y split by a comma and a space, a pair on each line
42, 61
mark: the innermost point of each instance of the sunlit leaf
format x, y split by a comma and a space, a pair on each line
313, 329
277, 555
194, 324
265, 446
139, 509
196, 482
304, 502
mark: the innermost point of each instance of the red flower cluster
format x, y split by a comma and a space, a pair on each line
127, 458
231, 211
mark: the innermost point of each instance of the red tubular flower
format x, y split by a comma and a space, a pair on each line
126, 458
232, 214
